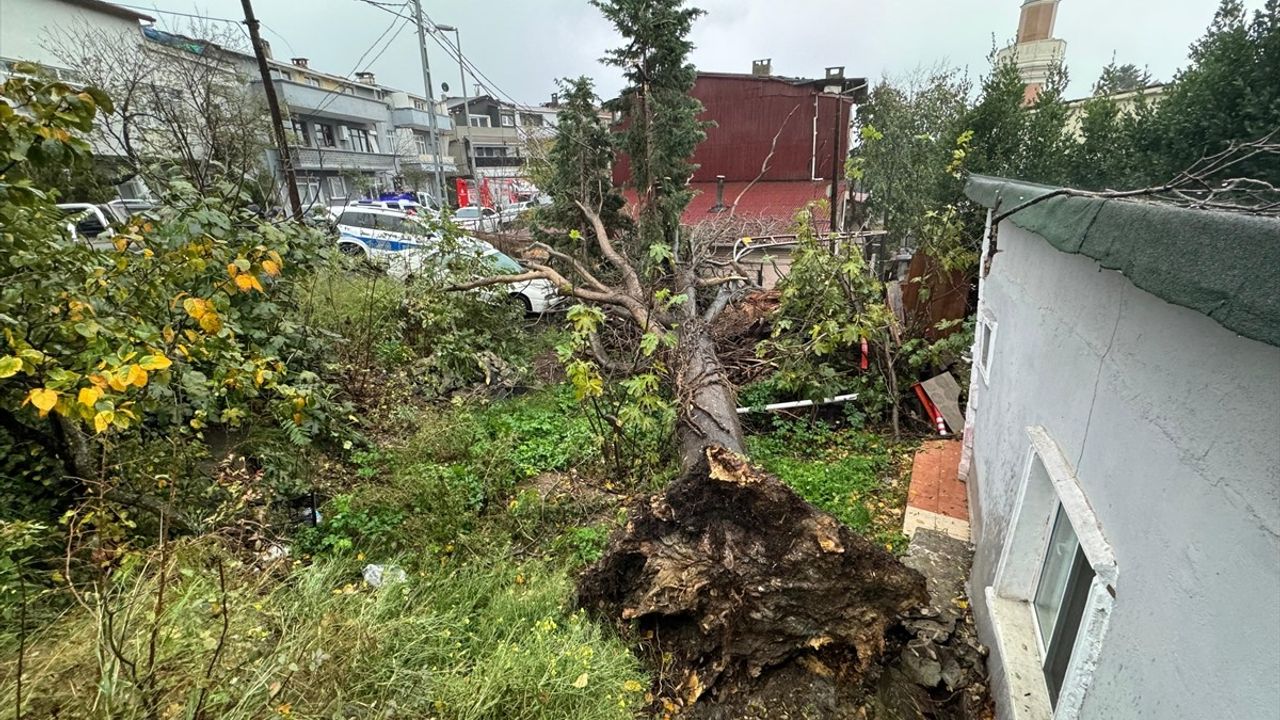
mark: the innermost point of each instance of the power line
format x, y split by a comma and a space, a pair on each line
332, 95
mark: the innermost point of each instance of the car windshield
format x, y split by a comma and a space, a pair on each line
467, 213
505, 263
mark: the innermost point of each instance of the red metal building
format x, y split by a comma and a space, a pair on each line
774, 139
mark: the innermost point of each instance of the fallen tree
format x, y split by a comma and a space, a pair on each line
745, 597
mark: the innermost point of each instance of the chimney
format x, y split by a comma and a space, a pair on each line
719, 206
555, 99
365, 77
762, 68
299, 62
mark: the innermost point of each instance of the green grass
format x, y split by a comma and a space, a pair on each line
852, 474
458, 640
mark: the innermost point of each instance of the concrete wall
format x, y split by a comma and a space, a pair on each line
1173, 426
26, 26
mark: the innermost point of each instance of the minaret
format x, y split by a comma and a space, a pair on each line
1036, 50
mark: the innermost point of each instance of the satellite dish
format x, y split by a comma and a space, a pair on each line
444, 87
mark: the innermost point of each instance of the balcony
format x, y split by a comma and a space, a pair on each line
314, 101
305, 158
499, 161
419, 119
428, 162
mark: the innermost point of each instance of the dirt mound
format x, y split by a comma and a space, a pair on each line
751, 602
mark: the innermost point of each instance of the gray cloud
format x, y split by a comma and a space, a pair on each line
524, 45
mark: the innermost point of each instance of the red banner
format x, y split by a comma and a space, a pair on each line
464, 192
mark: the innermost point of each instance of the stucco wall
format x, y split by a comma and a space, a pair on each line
1173, 426
26, 26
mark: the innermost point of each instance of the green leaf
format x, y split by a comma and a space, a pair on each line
9, 366
648, 343
659, 252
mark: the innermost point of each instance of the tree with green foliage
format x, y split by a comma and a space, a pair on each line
579, 165
908, 131
665, 282
1228, 93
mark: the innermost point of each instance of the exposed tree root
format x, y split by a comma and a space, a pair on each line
750, 601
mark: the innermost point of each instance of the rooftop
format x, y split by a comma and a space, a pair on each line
1220, 264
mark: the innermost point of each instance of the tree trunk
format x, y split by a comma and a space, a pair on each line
707, 403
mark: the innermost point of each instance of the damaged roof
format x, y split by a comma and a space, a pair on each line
1221, 264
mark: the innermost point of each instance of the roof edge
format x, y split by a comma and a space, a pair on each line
111, 9
1215, 263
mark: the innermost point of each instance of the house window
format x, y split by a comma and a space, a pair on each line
309, 191
313, 82
481, 121
360, 140
530, 120
985, 344
1059, 602
508, 121
300, 132
421, 143
324, 135
419, 105
1054, 589
337, 188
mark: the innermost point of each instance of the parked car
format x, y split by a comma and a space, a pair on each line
481, 219
95, 224
405, 244
394, 238
535, 296
511, 212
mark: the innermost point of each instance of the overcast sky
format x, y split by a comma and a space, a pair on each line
524, 45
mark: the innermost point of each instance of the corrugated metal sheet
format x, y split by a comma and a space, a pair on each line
749, 112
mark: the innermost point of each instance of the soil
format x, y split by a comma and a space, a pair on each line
749, 602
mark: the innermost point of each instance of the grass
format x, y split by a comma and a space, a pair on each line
458, 639
853, 474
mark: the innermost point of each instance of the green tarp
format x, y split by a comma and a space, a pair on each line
1225, 265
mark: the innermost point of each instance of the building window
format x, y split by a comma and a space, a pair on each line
985, 344
419, 105
1059, 602
480, 121
422, 144
508, 120
309, 191
337, 188
324, 135
313, 82
300, 132
360, 140
1054, 589
532, 120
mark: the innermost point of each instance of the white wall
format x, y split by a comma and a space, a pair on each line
1173, 426
27, 25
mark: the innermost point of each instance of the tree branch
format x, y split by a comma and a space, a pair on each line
630, 279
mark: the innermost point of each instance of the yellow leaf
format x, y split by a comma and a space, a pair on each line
270, 267
275, 258
137, 376
258, 376
9, 366
256, 284
43, 398
119, 380
168, 334
581, 682
98, 381
102, 420
155, 362
247, 282
632, 686
89, 396
210, 322
232, 270
196, 307
121, 242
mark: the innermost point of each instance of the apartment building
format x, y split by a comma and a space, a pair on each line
501, 137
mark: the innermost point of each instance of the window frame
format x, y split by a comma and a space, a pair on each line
325, 136
359, 139
1010, 597
984, 348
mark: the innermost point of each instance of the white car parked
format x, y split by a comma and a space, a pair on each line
481, 219
407, 243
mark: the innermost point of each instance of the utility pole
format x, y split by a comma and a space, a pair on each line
273, 104
466, 107
438, 184
838, 101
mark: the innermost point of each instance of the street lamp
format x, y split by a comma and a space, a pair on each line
466, 104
